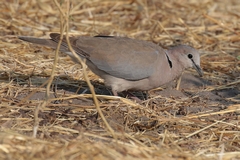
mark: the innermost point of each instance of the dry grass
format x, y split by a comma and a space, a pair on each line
159, 128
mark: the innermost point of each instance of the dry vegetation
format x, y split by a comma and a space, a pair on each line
199, 122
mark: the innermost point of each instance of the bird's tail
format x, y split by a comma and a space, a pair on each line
53, 42
40, 41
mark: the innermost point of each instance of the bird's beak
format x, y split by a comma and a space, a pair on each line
198, 68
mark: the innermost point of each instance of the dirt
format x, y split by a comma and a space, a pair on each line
193, 98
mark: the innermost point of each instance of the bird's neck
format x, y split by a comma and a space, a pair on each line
176, 67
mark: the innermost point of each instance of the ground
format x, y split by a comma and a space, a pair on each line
198, 120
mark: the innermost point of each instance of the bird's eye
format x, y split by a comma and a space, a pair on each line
190, 56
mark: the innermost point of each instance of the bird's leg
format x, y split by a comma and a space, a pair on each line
179, 82
127, 94
131, 96
146, 95
114, 92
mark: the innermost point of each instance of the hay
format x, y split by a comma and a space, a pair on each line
198, 126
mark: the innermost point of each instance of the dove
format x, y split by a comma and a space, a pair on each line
124, 63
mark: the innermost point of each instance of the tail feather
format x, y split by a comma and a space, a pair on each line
53, 42
44, 42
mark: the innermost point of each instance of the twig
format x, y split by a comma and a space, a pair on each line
83, 64
43, 105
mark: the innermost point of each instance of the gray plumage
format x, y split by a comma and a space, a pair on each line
126, 63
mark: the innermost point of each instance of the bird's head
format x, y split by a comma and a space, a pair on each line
188, 57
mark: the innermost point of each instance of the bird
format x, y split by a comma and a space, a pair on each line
125, 63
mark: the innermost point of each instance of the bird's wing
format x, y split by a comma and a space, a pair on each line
121, 57
118, 56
